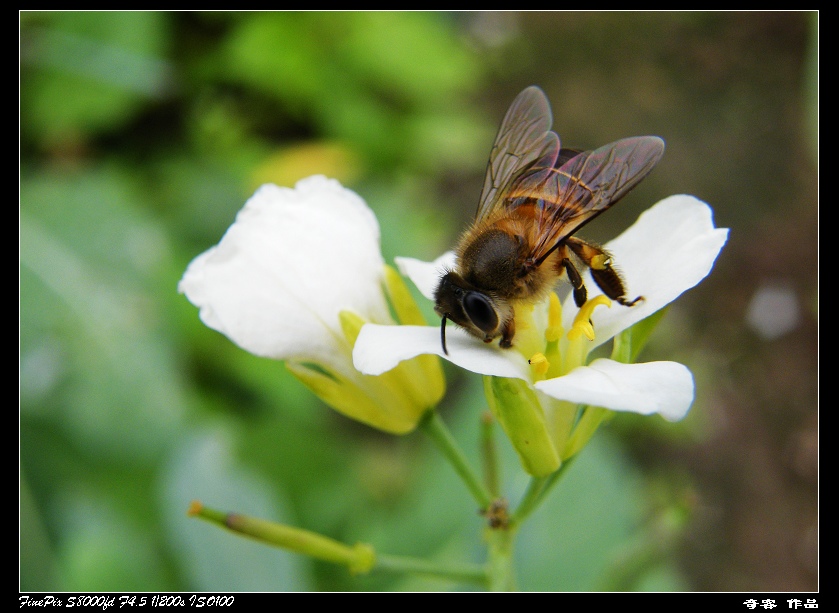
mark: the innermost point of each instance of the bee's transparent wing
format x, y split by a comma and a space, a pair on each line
595, 180
584, 186
524, 140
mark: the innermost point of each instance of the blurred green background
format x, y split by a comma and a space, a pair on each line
142, 134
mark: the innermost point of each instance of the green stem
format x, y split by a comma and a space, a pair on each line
434, 427
585, 428
359, 558
530, 500
489, 454
500, 546
536, 492
471, 573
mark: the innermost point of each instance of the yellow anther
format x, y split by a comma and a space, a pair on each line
554, 329
582, 325
588, 308
539, 363
579, 329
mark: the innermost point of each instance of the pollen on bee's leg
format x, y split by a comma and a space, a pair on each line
539, 363
601, 261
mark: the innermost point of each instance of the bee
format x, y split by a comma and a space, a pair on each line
536, 195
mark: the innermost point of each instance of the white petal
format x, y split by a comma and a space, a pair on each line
426, 275
380, 348
654, 387
293, 259
670, 249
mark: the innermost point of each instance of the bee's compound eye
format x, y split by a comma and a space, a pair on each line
480, 311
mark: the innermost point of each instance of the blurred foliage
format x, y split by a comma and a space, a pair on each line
142, 134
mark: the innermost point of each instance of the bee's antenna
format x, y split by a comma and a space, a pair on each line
443, 335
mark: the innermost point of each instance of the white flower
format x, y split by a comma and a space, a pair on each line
670, 249
294, 278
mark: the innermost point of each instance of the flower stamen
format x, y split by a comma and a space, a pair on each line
581, 329
554, 329
539, 363
582, 322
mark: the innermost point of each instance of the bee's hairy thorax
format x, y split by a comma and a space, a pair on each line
497, 258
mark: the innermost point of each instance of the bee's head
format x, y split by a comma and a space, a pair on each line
475, 311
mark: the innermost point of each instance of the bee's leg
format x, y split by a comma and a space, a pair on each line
580, 293
600, 263
563, 263
507, 333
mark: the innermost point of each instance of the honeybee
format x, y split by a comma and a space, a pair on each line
536, 195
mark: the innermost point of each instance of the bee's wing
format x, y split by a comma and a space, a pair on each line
524, 140
583, 187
